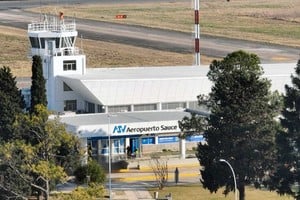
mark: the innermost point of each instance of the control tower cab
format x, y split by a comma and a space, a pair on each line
53, 39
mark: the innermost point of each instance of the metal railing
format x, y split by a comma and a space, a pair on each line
56, 26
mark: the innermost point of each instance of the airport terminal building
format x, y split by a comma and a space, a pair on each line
137, 108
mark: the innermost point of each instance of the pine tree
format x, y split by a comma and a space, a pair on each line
288, 140
38, 90
241, 128
11, 103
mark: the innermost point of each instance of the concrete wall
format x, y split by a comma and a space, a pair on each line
152, 148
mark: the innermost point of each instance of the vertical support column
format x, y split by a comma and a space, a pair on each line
182, 148
83, 144
197, 33
156, 139
127, 142
159, 106
140, 147
99, 147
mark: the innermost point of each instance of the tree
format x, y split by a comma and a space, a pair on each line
241, 128
39, 155
288, 140
11, 103
38, 90
160, 170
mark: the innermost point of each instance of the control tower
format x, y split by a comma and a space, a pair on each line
53, 39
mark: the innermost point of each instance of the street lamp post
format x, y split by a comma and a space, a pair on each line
109, 157
234, 179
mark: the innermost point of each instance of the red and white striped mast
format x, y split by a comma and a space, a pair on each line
197, 33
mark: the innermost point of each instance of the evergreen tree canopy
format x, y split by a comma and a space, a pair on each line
41, 152
11, 103
288, 140
241, 128
38, 90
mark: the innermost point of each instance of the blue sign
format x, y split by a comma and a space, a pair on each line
168, 139
195, 138
149, 140
120, 129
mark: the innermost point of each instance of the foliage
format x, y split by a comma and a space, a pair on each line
96, 172
92, 192
241, 128
39, 154
11, 103
288, 140
194, 125
160, 170
38, 90
93, 170
15, 167
50, 137
80, 174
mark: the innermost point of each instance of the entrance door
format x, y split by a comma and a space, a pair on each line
134, 145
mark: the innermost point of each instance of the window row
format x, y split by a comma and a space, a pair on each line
71, 105
59, 42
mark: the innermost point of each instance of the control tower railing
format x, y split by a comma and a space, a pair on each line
52, 24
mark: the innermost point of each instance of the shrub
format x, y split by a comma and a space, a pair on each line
80, 174
92, 169
96, 172
122, 164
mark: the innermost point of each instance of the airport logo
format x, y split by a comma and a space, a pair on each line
120, 129
148, 129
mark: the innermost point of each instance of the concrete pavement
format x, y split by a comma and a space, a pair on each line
132, 184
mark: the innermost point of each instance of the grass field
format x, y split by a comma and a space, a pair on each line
15, 48
196, 192
274, 21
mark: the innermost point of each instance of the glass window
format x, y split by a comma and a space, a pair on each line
69, 65
195, 138
66, 87
34, 42
144, 107
70, 105
149, 140
67, 42
173, 106
167, 139
119, 146
89, 107
113, 109
100, 108
104, 146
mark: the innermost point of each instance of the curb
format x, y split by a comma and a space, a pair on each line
152, 177
149, 169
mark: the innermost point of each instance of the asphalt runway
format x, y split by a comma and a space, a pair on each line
12, 14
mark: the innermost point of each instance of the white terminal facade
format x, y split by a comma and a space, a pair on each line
137, 107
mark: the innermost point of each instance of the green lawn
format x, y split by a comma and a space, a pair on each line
196, 192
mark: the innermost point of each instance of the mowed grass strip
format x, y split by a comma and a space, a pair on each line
196, 192
274, 21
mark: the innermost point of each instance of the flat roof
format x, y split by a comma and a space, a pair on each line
142, 73
148, 85
121, 117
160, 72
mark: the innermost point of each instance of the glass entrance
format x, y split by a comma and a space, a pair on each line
134, 145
